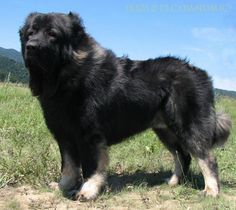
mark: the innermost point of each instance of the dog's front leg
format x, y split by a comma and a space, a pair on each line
71, 176
94, 161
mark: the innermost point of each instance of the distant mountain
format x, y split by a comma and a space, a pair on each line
11, 54
228, 93
12, 71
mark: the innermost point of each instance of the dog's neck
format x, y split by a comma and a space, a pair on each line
92, 51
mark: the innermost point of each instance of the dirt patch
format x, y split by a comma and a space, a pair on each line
25, 197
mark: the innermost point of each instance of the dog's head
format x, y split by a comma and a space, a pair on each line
47, 40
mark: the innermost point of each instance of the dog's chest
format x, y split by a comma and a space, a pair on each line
60, 115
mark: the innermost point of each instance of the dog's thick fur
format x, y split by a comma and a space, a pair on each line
92, 99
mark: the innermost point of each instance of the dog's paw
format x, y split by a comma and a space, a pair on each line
210, 192
88, 192
173, 181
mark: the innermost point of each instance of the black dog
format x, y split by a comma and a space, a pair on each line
92, 99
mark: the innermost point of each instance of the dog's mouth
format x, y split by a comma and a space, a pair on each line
41, 59
36, 60
31, 57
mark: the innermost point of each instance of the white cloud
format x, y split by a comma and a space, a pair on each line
215, 34
225, 83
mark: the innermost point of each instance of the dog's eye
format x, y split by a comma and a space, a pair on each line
30, 33
52, 33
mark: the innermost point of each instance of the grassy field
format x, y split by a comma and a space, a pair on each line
29, 161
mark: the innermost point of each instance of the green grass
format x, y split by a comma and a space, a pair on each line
138, 167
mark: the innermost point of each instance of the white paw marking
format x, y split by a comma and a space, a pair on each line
211, 188
89, 191
211, 192
91, 188
174, 180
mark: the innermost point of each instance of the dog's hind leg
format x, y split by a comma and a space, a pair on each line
209, 170
182, 159
199, 147
182, 162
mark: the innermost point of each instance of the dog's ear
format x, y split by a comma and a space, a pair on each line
78, 30
77, 23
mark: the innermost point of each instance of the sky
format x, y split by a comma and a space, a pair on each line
204, 32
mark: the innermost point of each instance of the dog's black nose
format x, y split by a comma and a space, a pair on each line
31, 46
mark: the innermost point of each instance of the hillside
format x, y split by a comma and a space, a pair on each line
228, 93
12, 71
11, 66
11, 54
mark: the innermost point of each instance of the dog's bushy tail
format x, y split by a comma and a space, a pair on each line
223, 127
